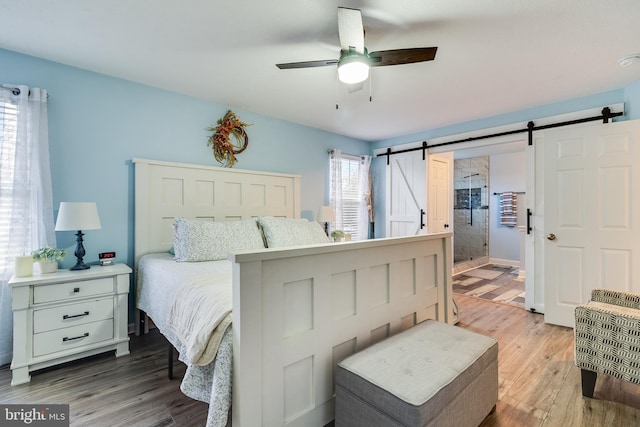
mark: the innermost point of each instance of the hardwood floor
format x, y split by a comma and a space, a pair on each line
105, 391
539, 384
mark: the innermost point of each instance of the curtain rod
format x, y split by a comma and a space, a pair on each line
331, 152
514, 192
605, 116
16, 91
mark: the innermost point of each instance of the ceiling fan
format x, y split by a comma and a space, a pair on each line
355, 60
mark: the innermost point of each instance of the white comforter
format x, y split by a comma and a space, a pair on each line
200, 314
164, 284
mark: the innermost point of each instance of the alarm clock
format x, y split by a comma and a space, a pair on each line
107, 258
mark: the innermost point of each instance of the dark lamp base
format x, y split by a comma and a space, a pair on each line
79, 253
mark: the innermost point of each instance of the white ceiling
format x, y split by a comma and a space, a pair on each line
494, 56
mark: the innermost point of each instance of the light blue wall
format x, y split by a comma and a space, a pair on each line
507, 172
632, 101
97, 124
630, 96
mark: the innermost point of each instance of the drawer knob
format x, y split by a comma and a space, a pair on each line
65, 339
76, 290
71, 316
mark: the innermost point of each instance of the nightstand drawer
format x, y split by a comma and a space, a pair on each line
71, 337
72, 314
72, 290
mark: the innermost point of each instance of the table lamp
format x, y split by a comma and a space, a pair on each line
78, 216
326, 215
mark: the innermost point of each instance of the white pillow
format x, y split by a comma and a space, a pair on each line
195, 240
281, 232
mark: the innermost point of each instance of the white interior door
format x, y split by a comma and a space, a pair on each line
591, 215
406, 195
439, 209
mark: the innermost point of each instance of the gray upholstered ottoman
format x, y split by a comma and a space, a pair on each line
432, 374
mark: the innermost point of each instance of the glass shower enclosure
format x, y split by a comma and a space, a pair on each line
471, 209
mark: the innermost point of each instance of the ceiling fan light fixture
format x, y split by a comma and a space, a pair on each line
353, 69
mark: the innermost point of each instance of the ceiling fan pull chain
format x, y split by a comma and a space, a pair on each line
337, 90
370, 85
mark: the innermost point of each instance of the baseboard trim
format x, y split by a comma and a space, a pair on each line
504, 262
461, 267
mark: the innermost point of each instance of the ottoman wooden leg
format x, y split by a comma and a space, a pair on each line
588, 382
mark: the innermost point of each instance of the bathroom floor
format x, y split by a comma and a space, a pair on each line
491, 282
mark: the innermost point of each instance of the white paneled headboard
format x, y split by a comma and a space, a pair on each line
164, 190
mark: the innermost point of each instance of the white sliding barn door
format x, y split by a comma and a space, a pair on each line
439, 209
591, 214
406, 195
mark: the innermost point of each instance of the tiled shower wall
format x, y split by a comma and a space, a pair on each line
471, 223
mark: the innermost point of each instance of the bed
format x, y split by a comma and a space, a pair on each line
296, 311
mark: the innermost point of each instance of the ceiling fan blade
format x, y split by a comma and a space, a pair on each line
350, 30
402, 56
307, 64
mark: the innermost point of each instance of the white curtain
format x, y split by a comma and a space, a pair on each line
365, 210
350, 193
26, 202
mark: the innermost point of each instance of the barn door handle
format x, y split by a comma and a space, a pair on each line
421, 219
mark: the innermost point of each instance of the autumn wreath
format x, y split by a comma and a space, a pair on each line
225, 148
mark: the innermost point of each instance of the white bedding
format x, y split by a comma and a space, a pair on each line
200, 315
160, 281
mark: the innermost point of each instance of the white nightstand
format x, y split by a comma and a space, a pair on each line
67, 315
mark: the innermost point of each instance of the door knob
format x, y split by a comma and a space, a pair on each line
551, 236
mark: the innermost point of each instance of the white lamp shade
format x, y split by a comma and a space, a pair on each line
74, 216
326, 214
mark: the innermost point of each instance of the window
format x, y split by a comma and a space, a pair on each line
350, 194
8, 140
350, 170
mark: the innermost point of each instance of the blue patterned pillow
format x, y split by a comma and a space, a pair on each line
195, 240
282, 232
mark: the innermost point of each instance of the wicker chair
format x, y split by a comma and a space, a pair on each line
607, 337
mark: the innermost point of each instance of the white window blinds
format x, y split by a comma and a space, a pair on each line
350, 197
8, 140
350, 193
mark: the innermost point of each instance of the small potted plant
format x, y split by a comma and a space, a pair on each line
47, 258
337, 235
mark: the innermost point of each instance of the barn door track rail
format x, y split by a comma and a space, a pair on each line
605, 116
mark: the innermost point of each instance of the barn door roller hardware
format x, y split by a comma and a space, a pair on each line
606, 116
